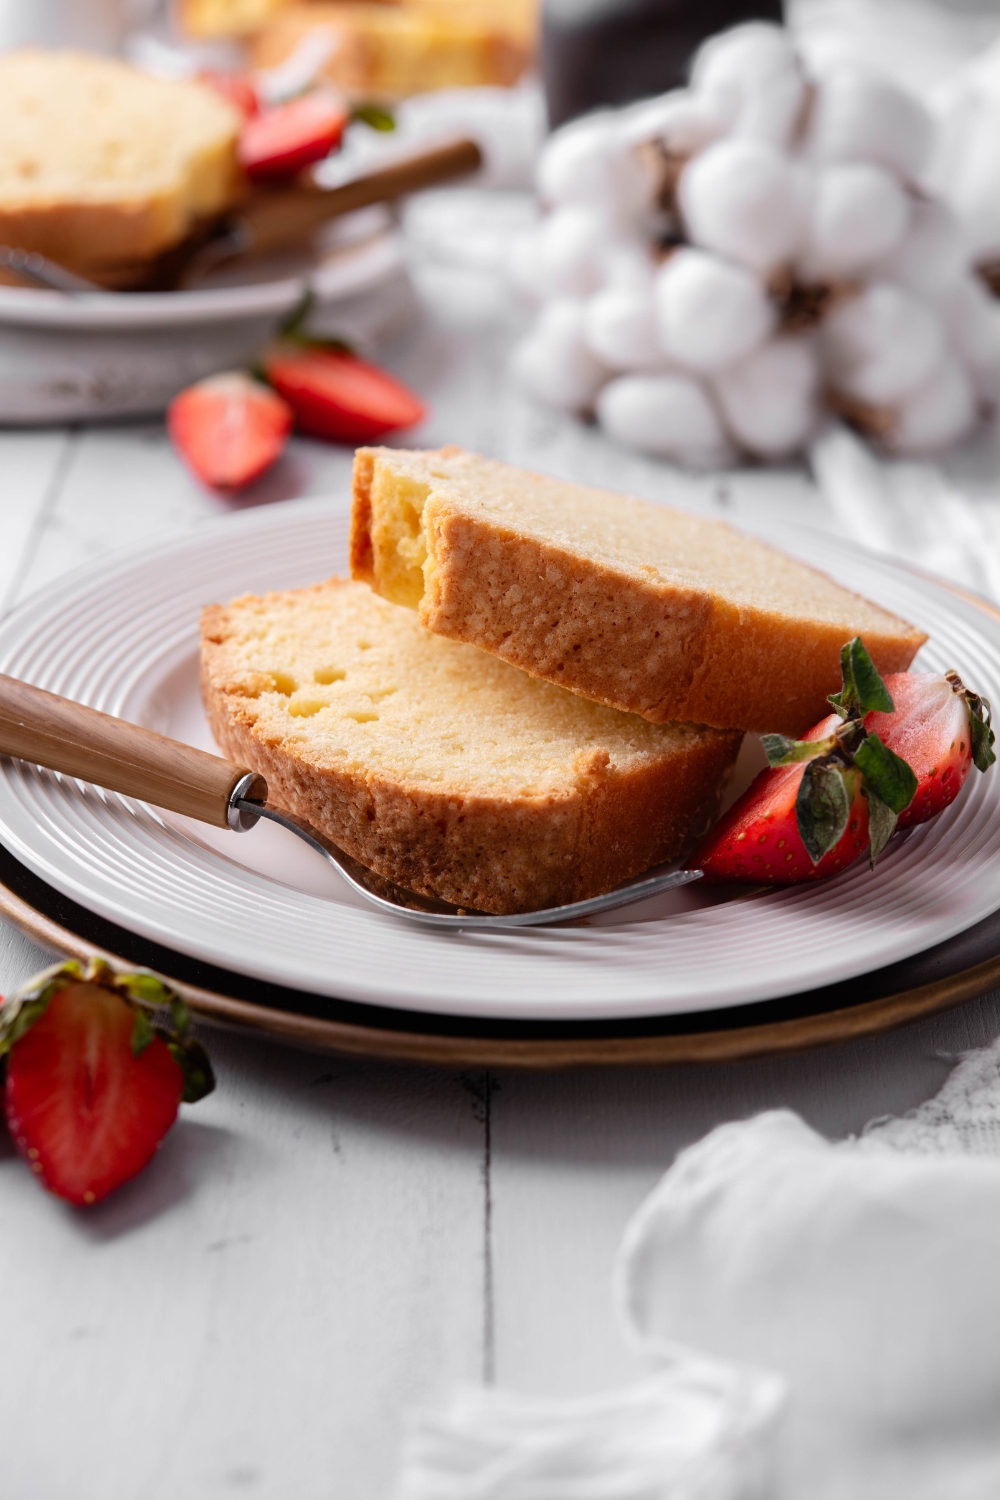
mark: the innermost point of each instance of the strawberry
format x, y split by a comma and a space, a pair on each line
93, 1085
894, 754
282, 140
758, 839
229, 428
941, 729
336, 396
236, 87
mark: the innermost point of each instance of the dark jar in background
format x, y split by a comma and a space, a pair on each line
598, 52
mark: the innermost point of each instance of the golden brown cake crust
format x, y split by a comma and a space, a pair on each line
655, 641
497, 850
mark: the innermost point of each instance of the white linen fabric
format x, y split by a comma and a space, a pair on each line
699, 1430
860, 1277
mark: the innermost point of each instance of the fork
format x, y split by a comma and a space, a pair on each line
54, 732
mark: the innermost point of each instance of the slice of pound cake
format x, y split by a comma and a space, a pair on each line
102, 165
635, 605
439, 766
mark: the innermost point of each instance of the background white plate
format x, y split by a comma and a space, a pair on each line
112, 354
125, 640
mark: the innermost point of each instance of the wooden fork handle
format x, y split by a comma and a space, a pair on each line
276, 219
64, 736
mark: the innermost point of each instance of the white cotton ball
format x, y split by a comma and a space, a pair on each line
972, 321
628, 264
751, 76
859, 214
670, 416
587, 162
744, 58
774, 114
620, 328
710, 312
931, 256
881, 344
857, 116
745, 200
966, 173
682, 121
571, 250
940, 411
554, 363
770, 400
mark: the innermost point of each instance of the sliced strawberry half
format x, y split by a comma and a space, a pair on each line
758, 840
229, 429
236, 87
935, 727
283, 140
93, 1085
338, 397
895, 753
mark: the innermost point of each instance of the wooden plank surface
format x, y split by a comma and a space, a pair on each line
319, 1247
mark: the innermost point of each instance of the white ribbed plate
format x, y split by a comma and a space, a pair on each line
124, 639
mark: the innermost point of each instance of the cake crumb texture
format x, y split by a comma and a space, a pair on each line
440, 766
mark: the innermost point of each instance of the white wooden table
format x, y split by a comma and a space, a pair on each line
323, 1244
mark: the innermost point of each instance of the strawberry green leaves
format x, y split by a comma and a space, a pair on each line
980, 723
822, 807
863, 689
886, 774
983, 738
891, 785
781, 751
826, 792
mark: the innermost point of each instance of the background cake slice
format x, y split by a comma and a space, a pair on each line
102, 165
441, 767
639, 606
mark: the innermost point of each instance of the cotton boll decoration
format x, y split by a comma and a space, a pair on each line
711, 312
628, 265
770, 400
881, 344
752, 75
859, 214
669, 416
620, 328
571, 252
972, 322
587, 162
939, 412
718, 266
554, 362
745, 200
743, 61
682, 122
931, 257
857, 116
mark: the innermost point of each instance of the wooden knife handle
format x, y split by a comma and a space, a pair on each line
275, 220
65, 736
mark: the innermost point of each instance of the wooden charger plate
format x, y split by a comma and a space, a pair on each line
959, 970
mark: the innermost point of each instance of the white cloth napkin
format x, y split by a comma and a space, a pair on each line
862, 1276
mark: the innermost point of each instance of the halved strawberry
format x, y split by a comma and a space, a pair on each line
236, 87
758, 839
338, 397
934, 727
894, 754
281, 141
93, 1085
229, 428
